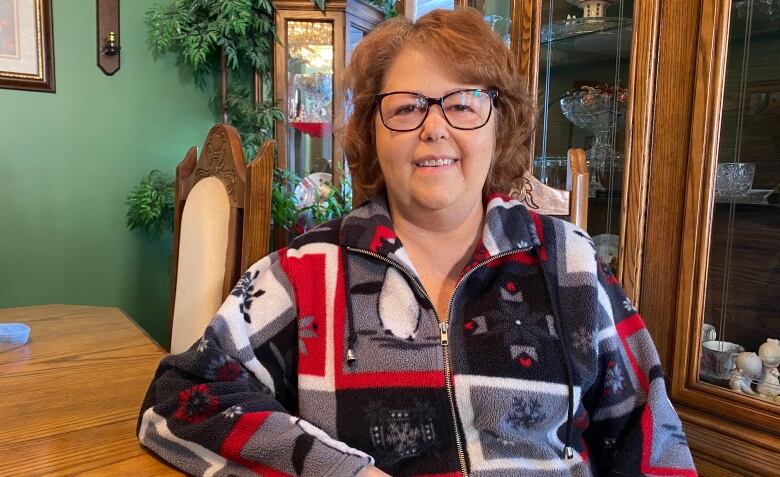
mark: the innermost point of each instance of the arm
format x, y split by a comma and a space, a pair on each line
634, 430
228, 403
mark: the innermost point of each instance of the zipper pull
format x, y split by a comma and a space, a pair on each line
443, 325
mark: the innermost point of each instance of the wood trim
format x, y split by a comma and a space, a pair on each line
339, 63
699, 205
663, 216
725, 449
233, 253
578, 197
707, 102
257, 208
526, 37
308, 6
366, 13
639, 133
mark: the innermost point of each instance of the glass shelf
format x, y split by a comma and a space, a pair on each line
581, 41
572, 27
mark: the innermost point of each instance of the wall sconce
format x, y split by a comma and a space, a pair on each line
112, 47
108, 36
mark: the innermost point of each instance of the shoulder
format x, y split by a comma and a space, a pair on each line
325, 234
570, 248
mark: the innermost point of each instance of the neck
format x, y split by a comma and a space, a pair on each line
456, 231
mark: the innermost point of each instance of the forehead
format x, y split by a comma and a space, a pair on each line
422, 72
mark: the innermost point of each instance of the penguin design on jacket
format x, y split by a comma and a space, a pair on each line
397, 308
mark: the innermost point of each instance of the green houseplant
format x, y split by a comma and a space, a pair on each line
228, 41
150, 204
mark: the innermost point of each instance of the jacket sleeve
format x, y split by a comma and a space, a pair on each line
227, 405
634, 430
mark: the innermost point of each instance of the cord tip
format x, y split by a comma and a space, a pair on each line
568, 452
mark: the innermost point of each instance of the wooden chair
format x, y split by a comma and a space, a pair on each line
221, 226
571, 203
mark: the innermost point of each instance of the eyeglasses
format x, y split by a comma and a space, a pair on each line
463, 109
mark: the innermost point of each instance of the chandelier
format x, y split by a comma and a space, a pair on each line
311, 43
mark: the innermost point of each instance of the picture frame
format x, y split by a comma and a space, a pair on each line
26, 45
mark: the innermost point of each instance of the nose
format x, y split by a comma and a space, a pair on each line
435, 126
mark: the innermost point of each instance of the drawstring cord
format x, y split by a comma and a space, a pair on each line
568, 450
352, 338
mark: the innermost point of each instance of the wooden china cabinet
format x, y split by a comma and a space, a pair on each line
686, 193
727, 294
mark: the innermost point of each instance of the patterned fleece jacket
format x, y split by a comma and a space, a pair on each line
328, 356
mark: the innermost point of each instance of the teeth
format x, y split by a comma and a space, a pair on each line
436, 163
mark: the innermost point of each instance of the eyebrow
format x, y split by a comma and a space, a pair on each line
449, 91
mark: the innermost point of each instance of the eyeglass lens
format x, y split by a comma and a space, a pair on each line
469, 109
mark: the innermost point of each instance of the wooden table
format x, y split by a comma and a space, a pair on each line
70, 396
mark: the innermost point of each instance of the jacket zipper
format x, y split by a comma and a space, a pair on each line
443, 334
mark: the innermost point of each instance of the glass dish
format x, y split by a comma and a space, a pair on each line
600, 110
734, 178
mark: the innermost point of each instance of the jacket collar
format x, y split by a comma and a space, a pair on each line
508, 226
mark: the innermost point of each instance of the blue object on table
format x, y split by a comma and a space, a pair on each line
14, 332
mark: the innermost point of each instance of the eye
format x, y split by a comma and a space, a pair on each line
406, 109
460, 108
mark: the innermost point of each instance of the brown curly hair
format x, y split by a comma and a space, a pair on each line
465, 42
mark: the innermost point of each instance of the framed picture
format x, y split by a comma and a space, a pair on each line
26, 48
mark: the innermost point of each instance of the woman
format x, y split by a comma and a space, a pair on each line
439, 329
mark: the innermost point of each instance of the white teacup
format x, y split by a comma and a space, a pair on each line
717, 357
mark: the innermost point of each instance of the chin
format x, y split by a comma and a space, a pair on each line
438, 200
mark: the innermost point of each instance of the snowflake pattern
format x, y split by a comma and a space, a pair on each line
525, 413
613, 379
582, 340
307, 329
628, 306
203, 345
245, 289
403, 433
233, 411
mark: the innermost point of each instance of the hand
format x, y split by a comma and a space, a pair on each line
371, 471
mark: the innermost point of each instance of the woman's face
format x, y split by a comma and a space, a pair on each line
413, 180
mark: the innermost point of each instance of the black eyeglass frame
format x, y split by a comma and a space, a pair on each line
440, 101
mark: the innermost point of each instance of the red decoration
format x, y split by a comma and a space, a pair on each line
312, 129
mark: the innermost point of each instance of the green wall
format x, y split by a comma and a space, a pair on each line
68, 160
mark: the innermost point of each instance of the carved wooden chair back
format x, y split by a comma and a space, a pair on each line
221, 226
571, 203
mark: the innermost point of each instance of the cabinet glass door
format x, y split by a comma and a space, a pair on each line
310, 98
741, 325
584, 61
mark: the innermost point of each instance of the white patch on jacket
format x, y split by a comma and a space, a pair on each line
398, 307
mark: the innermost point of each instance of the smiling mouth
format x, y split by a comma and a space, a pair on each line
436, 163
